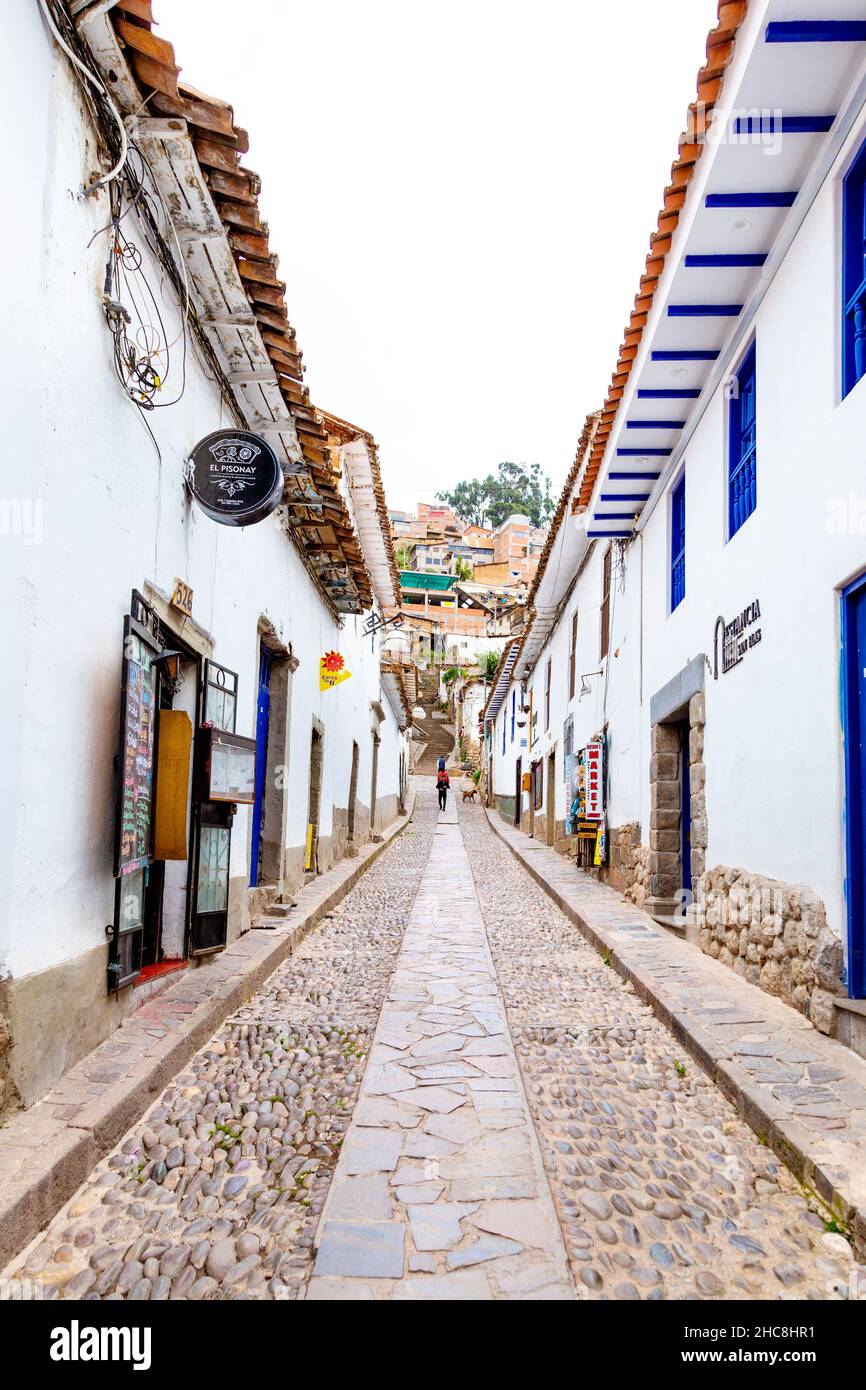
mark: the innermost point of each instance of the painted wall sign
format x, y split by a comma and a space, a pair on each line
594, 761
735, 638
332, 671
235, 477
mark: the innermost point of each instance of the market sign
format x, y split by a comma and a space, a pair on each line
594, 761
737, 638
332, 671
235, 477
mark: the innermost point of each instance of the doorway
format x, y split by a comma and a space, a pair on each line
317, 750
353, 792
166, 897
373, 781
685, 810
518, 790
263, 714
551, 799
854, 733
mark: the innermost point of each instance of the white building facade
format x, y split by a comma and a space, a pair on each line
699, 611
195, 716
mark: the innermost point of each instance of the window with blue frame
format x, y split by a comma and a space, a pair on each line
678, 543
854, 273
504, 723
513, 706
742, 459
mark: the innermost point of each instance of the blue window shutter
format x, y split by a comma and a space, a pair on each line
678, 543
513, 702
742, 461
854, 273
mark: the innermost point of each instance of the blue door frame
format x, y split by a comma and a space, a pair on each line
263, 710
854, 741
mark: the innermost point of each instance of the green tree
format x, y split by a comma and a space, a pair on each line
462, 568
489, 663
515, 487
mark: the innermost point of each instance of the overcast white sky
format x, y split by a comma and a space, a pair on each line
461, 197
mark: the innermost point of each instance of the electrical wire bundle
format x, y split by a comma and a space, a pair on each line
141, 346
142, 350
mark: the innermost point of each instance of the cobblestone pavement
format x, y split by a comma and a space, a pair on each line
225, 1187
216, 1192
439, 1191
662, 1192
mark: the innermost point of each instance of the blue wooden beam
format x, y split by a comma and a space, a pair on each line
768, 123
685, 355
704, 311
655, 424
816, 31
645, 453
725, 260
617, 535
623, 497
750, 200
672, 393
614, 516
623, 477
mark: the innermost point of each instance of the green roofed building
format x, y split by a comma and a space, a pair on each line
415, 579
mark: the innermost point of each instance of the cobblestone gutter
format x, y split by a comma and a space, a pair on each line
661, 1189
217, 1191
47, 1151
801, 1092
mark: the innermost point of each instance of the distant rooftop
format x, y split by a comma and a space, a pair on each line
414, 579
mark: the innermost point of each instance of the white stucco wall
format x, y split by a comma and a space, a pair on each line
115, 517
773, 737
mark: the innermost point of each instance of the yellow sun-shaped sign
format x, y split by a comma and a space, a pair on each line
332, 670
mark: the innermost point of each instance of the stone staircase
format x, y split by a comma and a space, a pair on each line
266, 912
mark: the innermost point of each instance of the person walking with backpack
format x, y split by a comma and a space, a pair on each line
443, 782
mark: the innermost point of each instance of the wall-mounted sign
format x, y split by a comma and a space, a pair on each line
235, 477
225, 766
332, 671
735, 638
181, 597
594, 761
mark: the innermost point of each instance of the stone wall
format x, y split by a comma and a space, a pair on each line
9, 1099
774, 934
638, 890
623, 857
665, 868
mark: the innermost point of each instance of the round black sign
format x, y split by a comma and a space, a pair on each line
235, 477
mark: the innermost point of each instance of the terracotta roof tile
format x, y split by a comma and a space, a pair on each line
325, 536
720, 50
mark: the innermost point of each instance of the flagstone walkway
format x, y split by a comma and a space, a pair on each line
440, 1191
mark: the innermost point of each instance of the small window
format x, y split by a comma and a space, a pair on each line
504, 723
572, 656
678, 543
742, 445
547, 695
605, 607
854, 273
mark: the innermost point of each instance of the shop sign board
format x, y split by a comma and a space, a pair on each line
235, 477
594, 780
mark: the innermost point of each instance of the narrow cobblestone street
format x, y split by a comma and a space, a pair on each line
361, 1128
